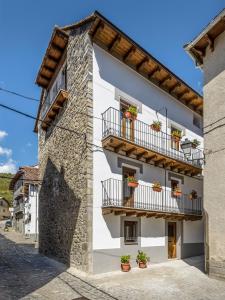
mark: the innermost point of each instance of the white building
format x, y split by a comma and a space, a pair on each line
25, 186
120, 219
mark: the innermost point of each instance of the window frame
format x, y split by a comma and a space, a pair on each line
134, 223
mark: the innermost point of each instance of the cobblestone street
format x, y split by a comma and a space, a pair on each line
25, 274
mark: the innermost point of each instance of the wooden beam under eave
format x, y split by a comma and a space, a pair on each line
114, 43
170, 163
174, 167
106, 211
55, 60
160, 161
153, 72
180, 95
141, 214
119, 213
141, 63
210, 41
173, 88
129, 54
131, 213
149, 215
168, 77
197, 54
100, 26
192, 100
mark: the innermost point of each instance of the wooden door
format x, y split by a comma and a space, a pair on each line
127, 125
172, 232
128, 192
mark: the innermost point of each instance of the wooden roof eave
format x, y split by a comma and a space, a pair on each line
53, 54
96, 32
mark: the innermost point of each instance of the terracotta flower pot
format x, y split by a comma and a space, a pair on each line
177, 194
142, 265
194, 146
133, 184
125, 267
157, 189
176, 138
155, 128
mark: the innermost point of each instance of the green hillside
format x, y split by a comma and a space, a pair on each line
4, 186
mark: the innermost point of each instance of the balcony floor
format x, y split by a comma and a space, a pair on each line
134, 212
130, 149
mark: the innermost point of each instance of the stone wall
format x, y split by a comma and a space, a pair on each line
214, 172
65, 203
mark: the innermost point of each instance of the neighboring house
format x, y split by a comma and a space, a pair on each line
208, 51
4, 209
25, 186
89, 148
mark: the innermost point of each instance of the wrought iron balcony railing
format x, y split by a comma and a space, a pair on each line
141, 134
116, 194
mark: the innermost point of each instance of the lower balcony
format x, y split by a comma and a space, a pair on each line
120, 199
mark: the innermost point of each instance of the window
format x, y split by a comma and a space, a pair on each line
130, 232
197, 121
33, 189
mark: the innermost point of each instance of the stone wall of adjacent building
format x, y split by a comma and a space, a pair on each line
214, 171
65, 203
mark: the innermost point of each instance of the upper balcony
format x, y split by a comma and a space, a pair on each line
54, 100
138, 140
120, 199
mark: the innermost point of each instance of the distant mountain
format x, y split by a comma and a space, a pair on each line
4, 186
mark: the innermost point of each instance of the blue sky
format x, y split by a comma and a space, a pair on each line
161, 27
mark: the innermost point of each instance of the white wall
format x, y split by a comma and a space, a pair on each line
108, 75
152, 232
193, 232
31, 207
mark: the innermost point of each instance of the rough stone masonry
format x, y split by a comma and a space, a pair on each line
66, 164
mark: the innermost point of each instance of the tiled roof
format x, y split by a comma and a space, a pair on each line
30, 174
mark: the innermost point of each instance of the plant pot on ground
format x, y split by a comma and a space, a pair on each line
131, 113
156, 126
132, 182
125, 263
142, 259
157, 187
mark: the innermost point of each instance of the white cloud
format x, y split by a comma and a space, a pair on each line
8, 167
3, 134
5, 151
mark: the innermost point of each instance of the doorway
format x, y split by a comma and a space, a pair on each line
127, 125
128, 192
172, 240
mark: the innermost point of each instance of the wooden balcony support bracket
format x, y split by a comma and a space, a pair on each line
141, 214
120, 212
198, 54
141, 155
150, 158
168, 164
131, 213
119, 147
129, 54
114, 43
131, 151
180, 95
53, 59
106, 211
174, 167
192, 100
150, 215
160, 161
141, 63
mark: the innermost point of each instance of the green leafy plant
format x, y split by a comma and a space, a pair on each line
193, 195
142, 257
133, 110
195, 143
176, 134
131, 179
125, 259
157, 186
156, 125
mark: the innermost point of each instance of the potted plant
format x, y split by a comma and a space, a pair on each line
142, 259
177, 192
125, 263
157, 186
193, 195
156, 126
132, 182
176, 135
195, 143
131, 112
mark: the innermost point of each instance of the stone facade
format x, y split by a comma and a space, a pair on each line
214, 197
65, 204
